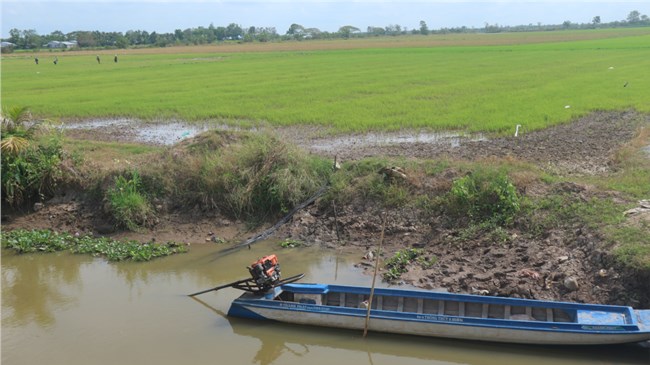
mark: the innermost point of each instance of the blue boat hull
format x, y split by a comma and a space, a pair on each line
447, 315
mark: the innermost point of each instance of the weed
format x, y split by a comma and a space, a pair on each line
24, 241
484, 196
291, 243
128, 205
397, 265
256, 177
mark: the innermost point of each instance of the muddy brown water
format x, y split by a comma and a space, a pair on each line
76, 309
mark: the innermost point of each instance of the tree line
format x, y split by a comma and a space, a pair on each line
31, 40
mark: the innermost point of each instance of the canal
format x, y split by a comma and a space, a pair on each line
76, 309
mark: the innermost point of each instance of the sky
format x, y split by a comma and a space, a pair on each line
164, 16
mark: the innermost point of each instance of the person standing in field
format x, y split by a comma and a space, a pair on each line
56, 60
36, 60
115, 59
98, 60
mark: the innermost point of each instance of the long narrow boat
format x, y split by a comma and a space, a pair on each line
438, 314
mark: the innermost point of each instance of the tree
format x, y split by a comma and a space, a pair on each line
393, 29
566, 24
376, 31
32, 39
296, 31
234, 31
85, 39
634, 17
424, 30
346, 30
596, 20
14, 36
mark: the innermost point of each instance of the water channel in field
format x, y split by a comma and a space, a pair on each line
74, 309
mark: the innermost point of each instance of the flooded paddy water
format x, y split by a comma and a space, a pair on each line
76, 309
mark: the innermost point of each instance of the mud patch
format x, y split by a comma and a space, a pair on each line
133, 130
333, 145
584, 146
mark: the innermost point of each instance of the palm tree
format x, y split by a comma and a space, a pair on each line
18, 130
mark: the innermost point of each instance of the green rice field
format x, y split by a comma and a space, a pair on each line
462, 87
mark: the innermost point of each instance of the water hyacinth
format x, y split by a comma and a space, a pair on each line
26, 241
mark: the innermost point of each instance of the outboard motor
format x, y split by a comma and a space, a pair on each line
265, 272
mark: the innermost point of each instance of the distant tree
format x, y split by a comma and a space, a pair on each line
634, 17
178, 34
266, 34
596, 20
86, 39
220, 33
376, 31
57, 35
15, 36
393, 29
234, 31
347, 30
121, 41
424, 30
566, 24
32, 39
296, 31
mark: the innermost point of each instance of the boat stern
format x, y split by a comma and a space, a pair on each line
240, 307
643, 319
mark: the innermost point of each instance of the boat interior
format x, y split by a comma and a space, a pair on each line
434, 306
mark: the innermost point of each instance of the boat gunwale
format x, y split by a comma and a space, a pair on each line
468, 298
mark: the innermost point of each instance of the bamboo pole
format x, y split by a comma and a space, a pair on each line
374, 277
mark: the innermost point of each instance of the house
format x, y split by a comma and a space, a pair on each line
6, 44
61, 44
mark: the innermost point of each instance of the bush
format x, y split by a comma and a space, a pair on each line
484, 196
31, 173
255, 177
128, 205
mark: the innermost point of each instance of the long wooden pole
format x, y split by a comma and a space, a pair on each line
374, 277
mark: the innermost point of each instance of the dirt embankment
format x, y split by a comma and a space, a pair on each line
570, 264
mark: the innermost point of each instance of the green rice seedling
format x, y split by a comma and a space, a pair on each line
477, 86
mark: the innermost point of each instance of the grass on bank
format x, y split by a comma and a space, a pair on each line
472, 88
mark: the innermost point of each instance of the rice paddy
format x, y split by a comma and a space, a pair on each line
464, 86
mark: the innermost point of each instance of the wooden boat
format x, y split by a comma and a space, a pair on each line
438, 314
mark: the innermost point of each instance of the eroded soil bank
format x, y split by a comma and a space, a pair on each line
571, 264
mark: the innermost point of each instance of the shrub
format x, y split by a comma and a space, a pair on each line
484, 196
128, 205
31, 173
255, 177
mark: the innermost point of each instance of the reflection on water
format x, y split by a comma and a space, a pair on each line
70, 309
33, 286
